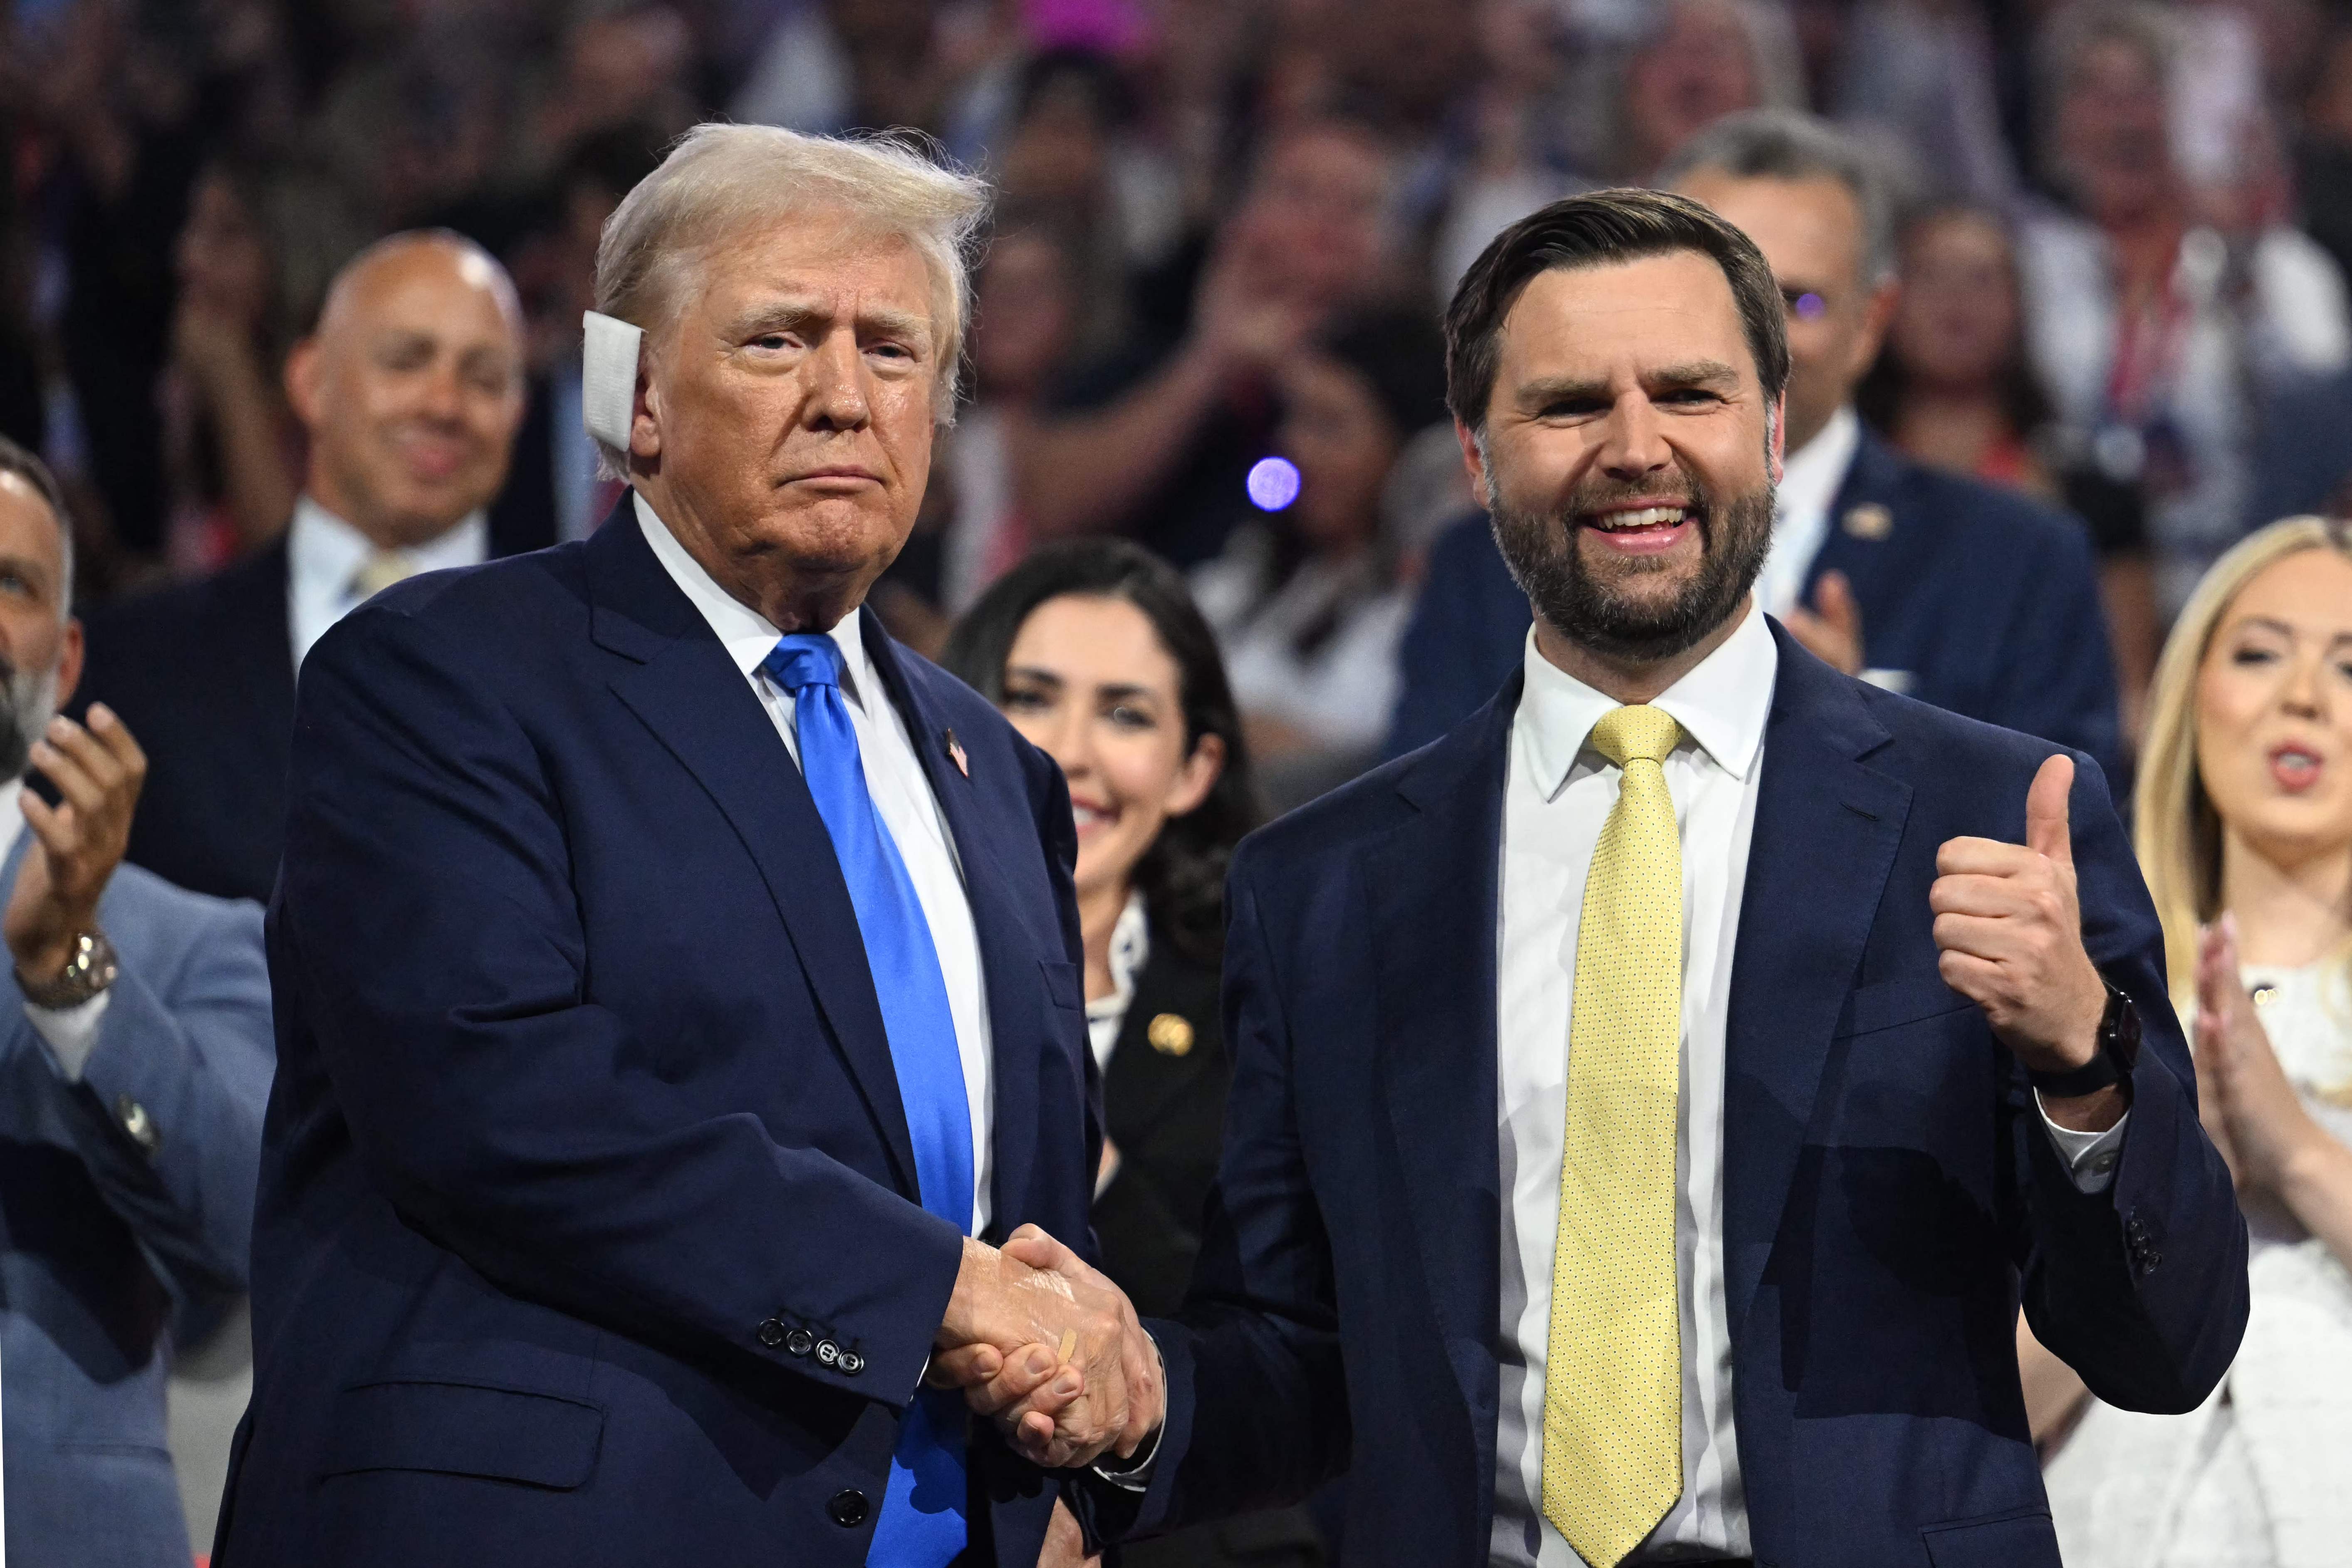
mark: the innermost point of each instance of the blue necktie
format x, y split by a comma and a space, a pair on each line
921, 1523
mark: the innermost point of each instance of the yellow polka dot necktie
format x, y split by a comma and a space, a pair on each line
1612, 1458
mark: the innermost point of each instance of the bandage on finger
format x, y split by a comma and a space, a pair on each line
1069, 1343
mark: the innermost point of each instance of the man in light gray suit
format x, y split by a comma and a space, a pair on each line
135, 1062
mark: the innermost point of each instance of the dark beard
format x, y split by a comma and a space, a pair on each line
1542, 551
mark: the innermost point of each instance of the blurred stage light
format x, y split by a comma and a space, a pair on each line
1273, 482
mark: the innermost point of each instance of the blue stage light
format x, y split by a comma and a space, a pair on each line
1273, 482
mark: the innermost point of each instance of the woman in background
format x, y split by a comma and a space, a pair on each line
1953, 387
2243, 822
1309, 603
1097, 654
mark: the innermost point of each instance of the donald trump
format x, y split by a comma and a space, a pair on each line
676, 980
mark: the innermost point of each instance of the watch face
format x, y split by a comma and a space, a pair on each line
2119, 1032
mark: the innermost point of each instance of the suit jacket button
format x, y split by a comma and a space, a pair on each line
846, 1508
800, 1342
138, 1125
770, 1332
827, 1353
851, 1363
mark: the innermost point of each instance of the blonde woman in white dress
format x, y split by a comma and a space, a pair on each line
2243, 824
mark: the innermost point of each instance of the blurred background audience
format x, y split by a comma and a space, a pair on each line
2067, 296
2245, 832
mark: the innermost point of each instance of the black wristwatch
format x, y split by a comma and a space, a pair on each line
2118, 1049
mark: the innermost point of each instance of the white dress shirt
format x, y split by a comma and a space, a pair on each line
894, 777
1557, 795
1811, 478
324, 555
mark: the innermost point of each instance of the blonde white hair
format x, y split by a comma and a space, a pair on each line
723, 181
2176, 828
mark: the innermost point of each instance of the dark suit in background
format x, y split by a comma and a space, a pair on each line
1164, 1109
1988, 600
202, 674
588, 1229
1887, 1189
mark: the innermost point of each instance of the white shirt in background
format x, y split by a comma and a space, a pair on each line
324, 555
894, 777
1811, 478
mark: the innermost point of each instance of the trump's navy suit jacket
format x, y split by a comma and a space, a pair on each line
1887, 1187
587, 1230
1984, 600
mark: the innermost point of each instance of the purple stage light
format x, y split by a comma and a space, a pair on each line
1273, 482
1811, 305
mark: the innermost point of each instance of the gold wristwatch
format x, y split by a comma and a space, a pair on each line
90, 969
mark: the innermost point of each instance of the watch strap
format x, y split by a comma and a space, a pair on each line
2119, 1051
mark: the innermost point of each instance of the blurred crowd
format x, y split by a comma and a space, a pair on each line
1225, 230
2096, 264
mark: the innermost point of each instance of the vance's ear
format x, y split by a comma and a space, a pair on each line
1475, 465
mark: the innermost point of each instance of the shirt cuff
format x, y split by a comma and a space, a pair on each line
2090, 1156
71, 1033
1135, 1475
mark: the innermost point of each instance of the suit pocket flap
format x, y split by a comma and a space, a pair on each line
1889, 1004
466, 1429
1063, 987
2024, 1539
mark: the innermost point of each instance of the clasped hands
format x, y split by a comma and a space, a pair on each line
1051, 1351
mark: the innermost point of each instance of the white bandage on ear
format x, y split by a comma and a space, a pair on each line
608, 377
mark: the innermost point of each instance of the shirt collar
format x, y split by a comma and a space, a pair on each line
1811, 475
1722, 705
748, 635
324, 551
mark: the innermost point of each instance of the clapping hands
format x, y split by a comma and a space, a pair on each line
2250, 1109
1051, 1351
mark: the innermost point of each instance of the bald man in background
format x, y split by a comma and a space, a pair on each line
411, 389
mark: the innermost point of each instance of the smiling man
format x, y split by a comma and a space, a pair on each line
410, 391
1650, 1100
678, 980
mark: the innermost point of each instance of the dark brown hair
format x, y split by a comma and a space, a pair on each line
1182, 874
1595, 230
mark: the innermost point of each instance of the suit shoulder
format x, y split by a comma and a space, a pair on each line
176, 611
144, 909
1362, 809
505, 607
1945, 747
1988, 516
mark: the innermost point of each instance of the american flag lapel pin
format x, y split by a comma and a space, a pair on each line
956, 756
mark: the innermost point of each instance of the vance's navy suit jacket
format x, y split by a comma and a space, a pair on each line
1888, 1189
1985, 601
587, 1230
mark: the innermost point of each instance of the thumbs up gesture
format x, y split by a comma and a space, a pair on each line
2010, 931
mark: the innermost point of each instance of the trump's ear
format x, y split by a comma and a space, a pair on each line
1473, 463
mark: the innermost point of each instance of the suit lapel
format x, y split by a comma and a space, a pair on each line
1016, 1023
1825, 836
678, 681
1433, 886
1875, 536
1144, 1081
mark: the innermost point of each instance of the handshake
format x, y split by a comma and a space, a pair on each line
1051, 1351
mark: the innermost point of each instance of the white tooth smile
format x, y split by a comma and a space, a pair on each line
1648, 517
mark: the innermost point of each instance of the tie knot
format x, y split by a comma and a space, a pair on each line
381, 569
803, 659
1635, 730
